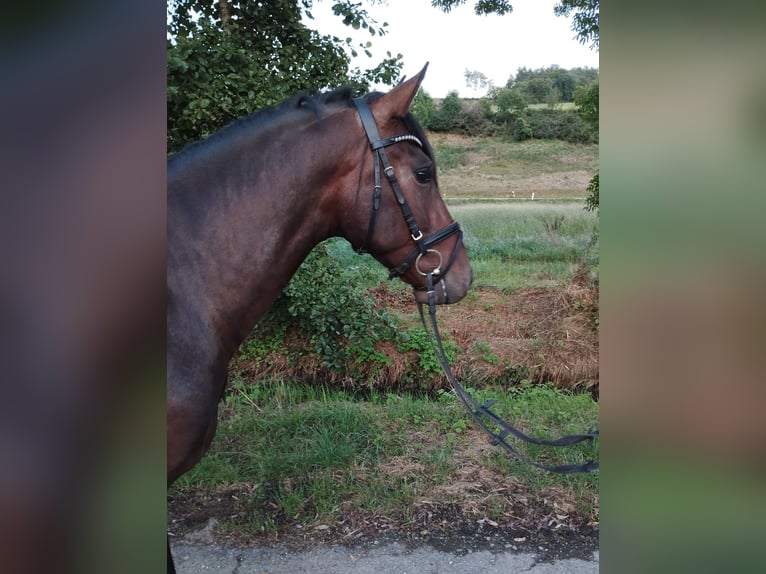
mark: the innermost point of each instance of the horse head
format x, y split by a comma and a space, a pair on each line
397, 212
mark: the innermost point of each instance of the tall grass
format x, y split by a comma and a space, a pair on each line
525, 245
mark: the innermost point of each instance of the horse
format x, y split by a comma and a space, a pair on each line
247, 205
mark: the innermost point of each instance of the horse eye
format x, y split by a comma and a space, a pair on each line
423, 176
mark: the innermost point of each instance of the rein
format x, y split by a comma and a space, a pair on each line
484, 417
481, 414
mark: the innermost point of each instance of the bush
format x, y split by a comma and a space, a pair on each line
505, 111
423, 108
521, 130
325, 326
566, 125
449, 116
331, 311
586, 100
591, 201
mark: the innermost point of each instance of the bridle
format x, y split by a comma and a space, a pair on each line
423, 245
498, 429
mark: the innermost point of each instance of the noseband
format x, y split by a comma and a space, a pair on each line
422, 244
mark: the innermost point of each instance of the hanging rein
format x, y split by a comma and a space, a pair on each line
481, 414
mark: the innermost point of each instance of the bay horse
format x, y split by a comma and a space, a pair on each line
248, 204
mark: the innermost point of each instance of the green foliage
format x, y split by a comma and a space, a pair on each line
477, 80
507, 104
584, 21
420, 341
553, 99
591, 201
449, 116
329, 308
515, 109
586, 100
565, 84
537, 85
521, 129
423, 108
452, 156
535, 90
482, 7
485, 353
222, 66
566, 125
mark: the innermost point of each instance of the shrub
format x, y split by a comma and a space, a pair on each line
325, 326
586, 100
591, 201
521, 129
449, 116
332, 311
423, 108
564, 125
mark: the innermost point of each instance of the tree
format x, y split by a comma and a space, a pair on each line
450, 115
476, 80
535, 90
229, 58
586, 100
423, 108
509, 103
565, 84
584, 20
482, 7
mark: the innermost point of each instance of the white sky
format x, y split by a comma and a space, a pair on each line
497, 46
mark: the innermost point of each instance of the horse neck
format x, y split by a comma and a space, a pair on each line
241, 222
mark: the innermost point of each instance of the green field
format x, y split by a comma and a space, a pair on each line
511, 245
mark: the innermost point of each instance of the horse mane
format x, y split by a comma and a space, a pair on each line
314, 103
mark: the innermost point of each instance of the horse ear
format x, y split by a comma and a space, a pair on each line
396, 103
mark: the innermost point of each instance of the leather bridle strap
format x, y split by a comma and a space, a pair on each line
440, 235
422, 244
378, 145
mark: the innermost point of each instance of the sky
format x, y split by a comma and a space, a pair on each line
530, 36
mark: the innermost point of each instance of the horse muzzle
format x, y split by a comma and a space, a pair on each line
445, 290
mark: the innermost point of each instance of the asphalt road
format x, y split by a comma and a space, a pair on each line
392, 558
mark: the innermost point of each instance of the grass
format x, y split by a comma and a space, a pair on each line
468, 164
511, 245
310, 455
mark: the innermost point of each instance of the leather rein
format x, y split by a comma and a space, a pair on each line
498, 429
